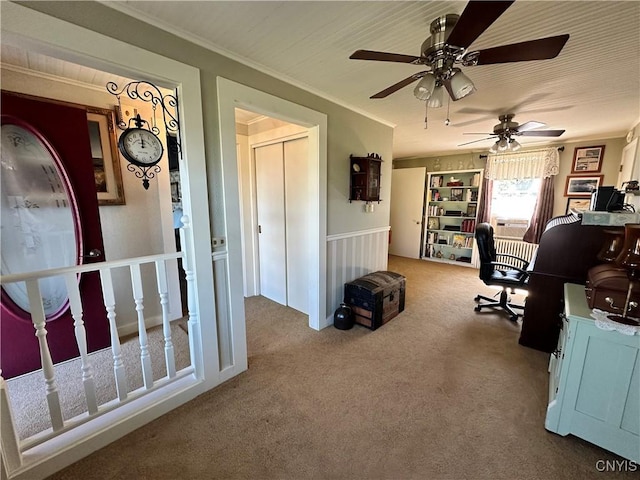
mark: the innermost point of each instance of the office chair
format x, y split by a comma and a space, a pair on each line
509, 273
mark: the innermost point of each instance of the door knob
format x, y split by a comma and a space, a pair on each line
93, 253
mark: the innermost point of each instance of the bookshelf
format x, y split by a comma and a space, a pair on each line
451, 204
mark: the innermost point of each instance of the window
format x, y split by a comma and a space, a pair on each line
512, 205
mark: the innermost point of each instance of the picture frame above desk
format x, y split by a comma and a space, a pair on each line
587, 159
582, 185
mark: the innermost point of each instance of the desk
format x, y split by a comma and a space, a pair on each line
594, 383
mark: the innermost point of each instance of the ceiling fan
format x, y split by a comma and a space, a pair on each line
507, 129
451, 36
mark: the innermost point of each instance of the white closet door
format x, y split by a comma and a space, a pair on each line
271, 220
407, 199
296, 159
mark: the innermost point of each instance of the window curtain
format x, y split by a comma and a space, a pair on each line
542, 213
542, 164
520, 166
484, 202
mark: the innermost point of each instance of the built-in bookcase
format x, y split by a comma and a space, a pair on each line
451, 204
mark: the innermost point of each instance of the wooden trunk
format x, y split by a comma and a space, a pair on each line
375, 298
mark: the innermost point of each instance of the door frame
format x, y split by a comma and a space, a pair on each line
230, 96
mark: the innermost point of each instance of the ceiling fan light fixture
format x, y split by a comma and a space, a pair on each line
503, 144
425, 87
494, 148
514, 146
436, 98
461, 85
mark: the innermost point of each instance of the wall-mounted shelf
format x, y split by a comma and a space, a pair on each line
365, 178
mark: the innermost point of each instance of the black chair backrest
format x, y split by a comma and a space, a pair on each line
486, 249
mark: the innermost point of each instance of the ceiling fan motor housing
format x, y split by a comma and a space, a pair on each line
435, 50
505, 125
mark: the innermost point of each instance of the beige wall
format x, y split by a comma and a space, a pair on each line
610, 165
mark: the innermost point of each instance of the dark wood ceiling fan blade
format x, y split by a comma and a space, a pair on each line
530, 126
384, 57
475, 141
402, 83
541, 49
542, 133
475, 19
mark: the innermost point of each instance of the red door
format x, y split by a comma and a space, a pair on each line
63, 131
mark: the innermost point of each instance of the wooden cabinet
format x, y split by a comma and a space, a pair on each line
365, 178
451, 202
594, 384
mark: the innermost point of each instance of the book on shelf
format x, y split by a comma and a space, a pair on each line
459, 241
468, 225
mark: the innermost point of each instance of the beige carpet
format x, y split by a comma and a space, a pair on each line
440, 392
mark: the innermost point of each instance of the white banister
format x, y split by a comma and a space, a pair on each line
110, 304
73, 291
163, 292
38, 319
16, 451
8, 436
138, 297
194, 331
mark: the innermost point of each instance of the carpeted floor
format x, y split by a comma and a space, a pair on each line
440, 392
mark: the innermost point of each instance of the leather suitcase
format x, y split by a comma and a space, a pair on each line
606, 289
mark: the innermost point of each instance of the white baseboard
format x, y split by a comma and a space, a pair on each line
131, 328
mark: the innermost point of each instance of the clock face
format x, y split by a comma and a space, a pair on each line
140, 146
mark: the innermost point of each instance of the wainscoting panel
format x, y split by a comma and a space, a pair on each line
352, 255
223, 314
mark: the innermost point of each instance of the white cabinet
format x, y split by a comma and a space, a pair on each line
451, 203
594, 384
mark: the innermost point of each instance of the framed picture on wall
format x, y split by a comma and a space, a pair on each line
577, 204
581, 186
105, 156
587, 159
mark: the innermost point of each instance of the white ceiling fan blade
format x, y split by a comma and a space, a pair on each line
530, 126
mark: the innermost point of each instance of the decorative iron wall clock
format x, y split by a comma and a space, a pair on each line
143, 150
140, 145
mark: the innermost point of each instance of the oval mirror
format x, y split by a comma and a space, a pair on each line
40, 228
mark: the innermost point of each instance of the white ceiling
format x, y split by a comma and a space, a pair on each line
592, 89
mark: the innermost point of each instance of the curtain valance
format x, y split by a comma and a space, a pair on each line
522, 165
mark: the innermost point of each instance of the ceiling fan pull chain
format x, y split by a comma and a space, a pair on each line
426, 111
447, 121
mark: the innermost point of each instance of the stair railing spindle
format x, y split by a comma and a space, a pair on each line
163, 292
73, 291
110, 305
38, 319
138, 297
